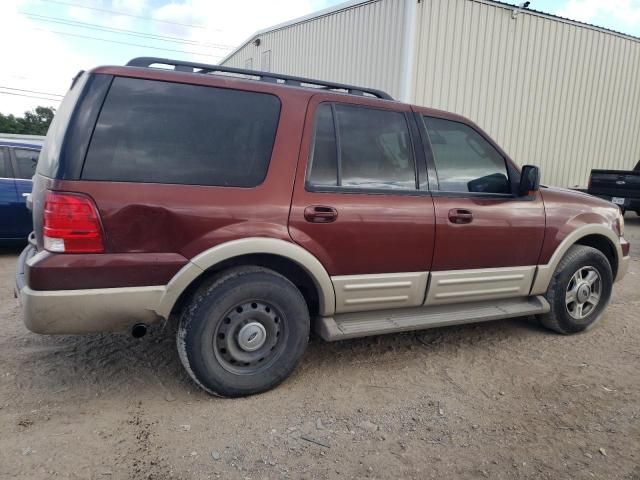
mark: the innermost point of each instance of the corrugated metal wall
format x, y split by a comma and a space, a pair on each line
360, 45
551, 93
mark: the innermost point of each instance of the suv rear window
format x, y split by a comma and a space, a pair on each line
49, 157
160, 132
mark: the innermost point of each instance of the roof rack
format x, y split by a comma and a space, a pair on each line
194, 67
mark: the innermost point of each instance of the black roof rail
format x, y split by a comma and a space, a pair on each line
194, 67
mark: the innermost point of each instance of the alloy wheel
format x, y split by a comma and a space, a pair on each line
584, 292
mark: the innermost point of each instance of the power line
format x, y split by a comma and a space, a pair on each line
94, 26
32, 91
113, 12
29, 96
127, 43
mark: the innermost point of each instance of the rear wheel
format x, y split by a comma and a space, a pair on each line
579, 290
244, 332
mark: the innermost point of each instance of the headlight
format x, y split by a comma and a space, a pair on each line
620, 224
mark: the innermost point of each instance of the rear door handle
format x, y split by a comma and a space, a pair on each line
460, 216
320, 214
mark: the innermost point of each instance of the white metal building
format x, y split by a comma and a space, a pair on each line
553, 92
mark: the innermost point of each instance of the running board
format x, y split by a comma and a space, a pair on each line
363, 324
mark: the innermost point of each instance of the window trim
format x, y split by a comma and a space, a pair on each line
336, 132
310, 187
513, 175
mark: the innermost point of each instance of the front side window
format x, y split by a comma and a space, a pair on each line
161, 132
26, 162
465, 161
362, 147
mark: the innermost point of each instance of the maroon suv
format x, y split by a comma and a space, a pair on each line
252, 207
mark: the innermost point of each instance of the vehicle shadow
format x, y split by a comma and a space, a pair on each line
118, 365
11, 248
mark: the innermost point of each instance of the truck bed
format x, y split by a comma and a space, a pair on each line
622, 187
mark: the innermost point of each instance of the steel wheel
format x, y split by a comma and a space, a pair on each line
583, 293
247, 339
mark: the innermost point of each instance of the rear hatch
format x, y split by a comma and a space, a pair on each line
66, 142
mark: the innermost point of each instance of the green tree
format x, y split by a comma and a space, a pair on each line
34, 122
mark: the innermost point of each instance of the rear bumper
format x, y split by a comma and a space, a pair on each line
89, 311
84, 311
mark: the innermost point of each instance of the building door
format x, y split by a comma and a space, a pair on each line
358, 204
488, 239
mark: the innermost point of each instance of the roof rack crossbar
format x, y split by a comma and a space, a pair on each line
203, 68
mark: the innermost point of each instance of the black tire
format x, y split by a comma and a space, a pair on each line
578, 260
214, 326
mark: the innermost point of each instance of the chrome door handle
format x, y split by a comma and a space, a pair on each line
460, 216
320, 214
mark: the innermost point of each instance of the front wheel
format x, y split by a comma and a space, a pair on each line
244, 332
579, 290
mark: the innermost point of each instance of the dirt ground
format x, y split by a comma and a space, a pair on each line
501, 400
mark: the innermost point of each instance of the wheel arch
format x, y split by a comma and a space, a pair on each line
604, 245
596, 236
286, 258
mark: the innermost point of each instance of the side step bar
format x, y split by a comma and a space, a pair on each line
363, 324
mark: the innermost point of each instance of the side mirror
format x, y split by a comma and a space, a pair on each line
529, 180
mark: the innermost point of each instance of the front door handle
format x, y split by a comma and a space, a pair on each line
320, 214
460, 216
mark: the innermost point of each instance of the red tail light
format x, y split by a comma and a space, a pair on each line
71, 224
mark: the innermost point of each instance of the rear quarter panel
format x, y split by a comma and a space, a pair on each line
151, 230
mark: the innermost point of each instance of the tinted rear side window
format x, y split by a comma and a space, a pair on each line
371, 150
376, 150
159, 132
324, 166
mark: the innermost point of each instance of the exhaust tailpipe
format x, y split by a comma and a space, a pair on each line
139, 330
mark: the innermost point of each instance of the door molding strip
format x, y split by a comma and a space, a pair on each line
356, 293
479, 284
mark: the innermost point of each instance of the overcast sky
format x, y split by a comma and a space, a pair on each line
45, 42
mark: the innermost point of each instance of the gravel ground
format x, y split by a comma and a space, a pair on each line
498, 400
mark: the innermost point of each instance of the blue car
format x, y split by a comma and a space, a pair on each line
18, 161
